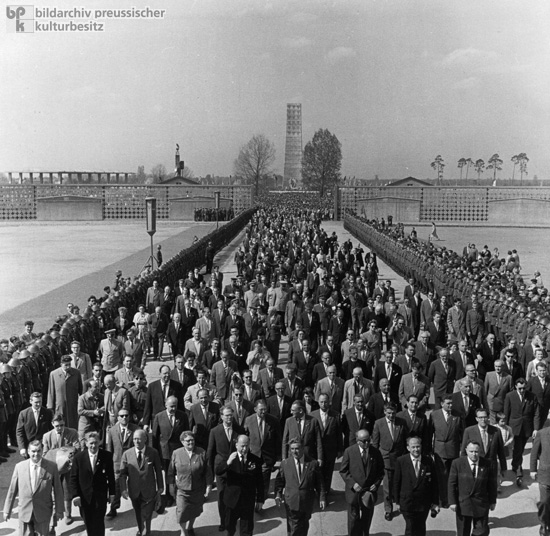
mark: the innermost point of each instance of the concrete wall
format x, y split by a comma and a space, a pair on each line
402, 209
69, 208
521, 211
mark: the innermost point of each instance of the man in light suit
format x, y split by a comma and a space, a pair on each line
196, 345
362, 470
60, 436
498, 383
333, 387
141, 480
264, 431
427, 308
389, 436
120, 438
472, 491
208, 328
222, 373
36, 482
64, 388
446, 433
415, 383
115, 399
456, 322
298, 483
252, 390
540, 471
356, 385
442, 375
81, 361
93, 484
415, 487
242, 408
331, 438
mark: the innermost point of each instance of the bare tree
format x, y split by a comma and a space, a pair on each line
158, 173
255, 160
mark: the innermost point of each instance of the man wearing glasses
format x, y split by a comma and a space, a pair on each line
120, 438
521, 411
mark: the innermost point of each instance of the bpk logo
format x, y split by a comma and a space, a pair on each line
20, 19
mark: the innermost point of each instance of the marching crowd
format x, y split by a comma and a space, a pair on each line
228, 410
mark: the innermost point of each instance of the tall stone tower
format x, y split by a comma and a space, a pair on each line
293, 146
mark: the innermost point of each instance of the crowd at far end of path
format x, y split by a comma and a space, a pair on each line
356, 384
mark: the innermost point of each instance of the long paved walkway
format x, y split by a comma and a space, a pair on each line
515, 512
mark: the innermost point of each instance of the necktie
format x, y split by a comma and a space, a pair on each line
356, 387
416, 468
390, 426
124, 435
261, 429
172, 421
35, 477
484, 439
204, 412
466, 404
498, 379
474, 473
364, 457
228, 434
242, 464
139, 458
93, 463
299, 471
359, 418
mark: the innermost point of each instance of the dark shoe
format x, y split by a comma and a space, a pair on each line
519, 481
112, 514
3, 460
170, 502
69, 520
190, 532
388, 516
52, 532
4, 454
138, 533
11, 451
221, 528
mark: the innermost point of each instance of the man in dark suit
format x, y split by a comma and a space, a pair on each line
446, 433
416, 423
244, 487
355, 419
488, 353
331, 438
189, 316
305, 361
491, 445
320, 369
539, 385
167, 428
389, 370
183, 375
540, 471
221, 443
252, 390
521, 411
158, 325
423, 350
269, 376
203, 417
141, 480
362, 470
175, 335
436, 329
157, 394
465, 403
415, 487
378, 400
462, 358
233, 320
32, 423
298, 483
311, 323
92, 484
279, 405
294, 386
472, 491
442, 374
241, 408
389, 436
264, 431
305, 427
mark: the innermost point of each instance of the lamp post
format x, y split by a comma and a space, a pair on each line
217, 204
151, 223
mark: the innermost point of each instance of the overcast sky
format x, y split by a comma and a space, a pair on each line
398, 82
